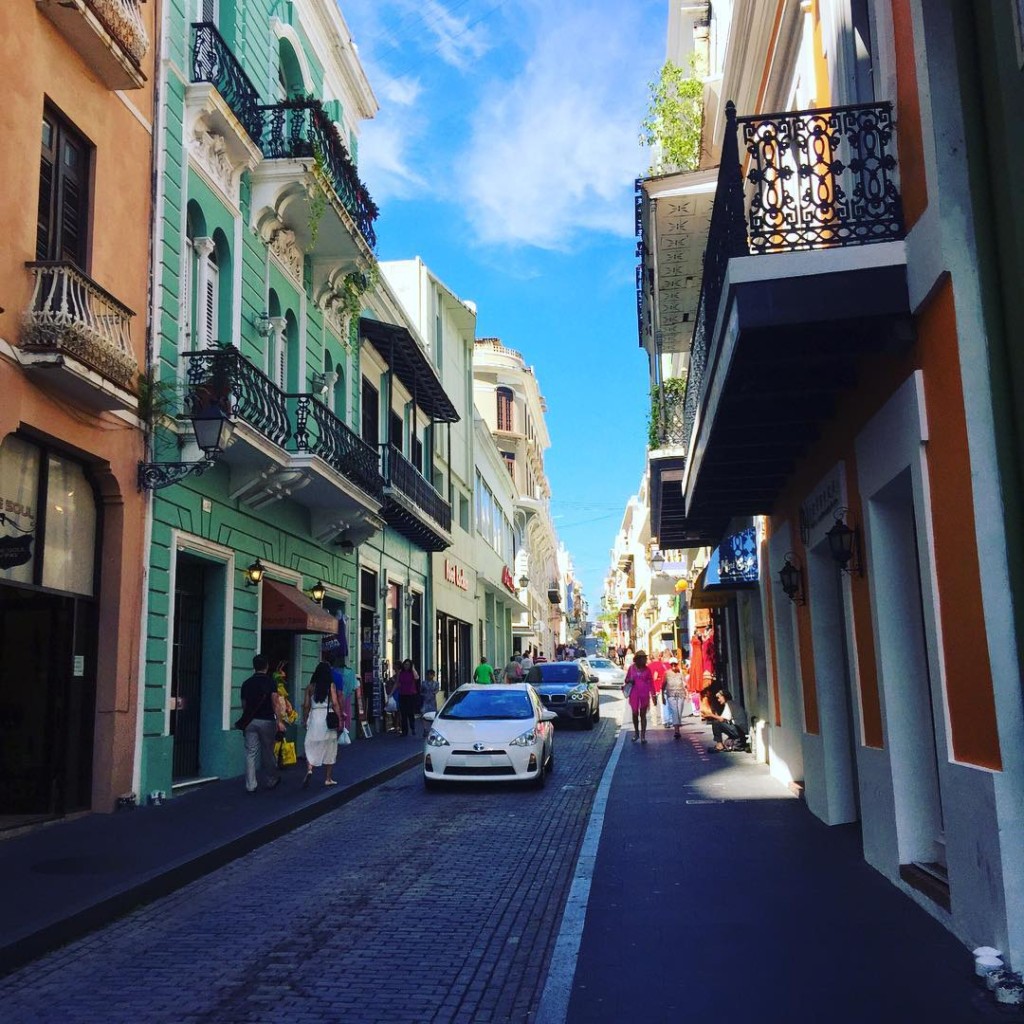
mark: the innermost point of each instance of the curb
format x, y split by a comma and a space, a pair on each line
60, 933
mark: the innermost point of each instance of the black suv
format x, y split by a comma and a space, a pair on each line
565, 688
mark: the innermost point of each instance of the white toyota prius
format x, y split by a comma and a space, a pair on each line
489, 734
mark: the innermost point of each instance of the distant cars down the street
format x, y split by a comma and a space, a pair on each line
489, 734
608, 673
568, 689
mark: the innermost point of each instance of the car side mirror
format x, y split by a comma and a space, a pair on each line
593, 679
547, 716
429, 716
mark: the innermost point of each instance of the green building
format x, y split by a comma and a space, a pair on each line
267, 312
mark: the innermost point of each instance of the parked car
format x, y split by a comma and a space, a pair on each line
608, 673
569, 690
489, 734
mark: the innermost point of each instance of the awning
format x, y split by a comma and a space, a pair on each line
287, 608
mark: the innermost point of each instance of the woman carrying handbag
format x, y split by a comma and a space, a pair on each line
321, 714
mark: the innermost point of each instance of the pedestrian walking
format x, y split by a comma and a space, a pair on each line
321, 715
658, 669
526, 663
513, 670
406, 692
261, 720
628, 658
638, 688
428, 696
484, 672
676, 695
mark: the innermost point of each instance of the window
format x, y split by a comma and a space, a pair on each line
62, 225
206, 10
504, 408
417, 456
464, 512
510, 463
371, 414
395, 431
438, 332
208, 300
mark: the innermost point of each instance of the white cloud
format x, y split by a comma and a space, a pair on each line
403, 92
554, 151
458, 41
386, 162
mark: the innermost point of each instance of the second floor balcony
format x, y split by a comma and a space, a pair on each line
412, 504
309, 181
110, 36
291, 446
76, 337
804, 284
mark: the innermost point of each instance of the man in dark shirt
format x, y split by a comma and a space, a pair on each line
261, 704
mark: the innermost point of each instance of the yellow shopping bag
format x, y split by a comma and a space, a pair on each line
285, 751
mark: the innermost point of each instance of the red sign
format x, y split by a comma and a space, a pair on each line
506, 578
455, 574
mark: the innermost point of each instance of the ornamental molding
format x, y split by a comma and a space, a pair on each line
217, 143
283, 245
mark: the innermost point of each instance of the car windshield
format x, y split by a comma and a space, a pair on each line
555, 673
488, 705
600, 663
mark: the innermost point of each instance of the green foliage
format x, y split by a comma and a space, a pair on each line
674, 389
675, 117
318, 194
157, 399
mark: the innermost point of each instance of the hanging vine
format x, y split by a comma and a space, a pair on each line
675, 118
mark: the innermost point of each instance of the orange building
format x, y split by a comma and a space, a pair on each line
820, 284
77, 171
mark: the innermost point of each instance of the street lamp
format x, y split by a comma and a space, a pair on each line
843, 546
213, 428
657, 562
318, 592
254, 573
791, 578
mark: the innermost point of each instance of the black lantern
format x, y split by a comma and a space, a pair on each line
213, 427
254, 573
318, 591
842, 544
791, 578
657, 562
524, 582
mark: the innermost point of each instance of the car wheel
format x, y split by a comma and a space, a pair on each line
588, 722
537, 782
431, 785
597, 710
551, 760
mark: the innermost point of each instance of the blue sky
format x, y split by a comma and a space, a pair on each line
504, 154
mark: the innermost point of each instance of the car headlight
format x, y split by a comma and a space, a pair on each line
580, 693
526, 739
435, 739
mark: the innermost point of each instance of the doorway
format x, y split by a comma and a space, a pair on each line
187, 668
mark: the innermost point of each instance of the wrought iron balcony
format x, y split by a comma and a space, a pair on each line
667, 427
71, 315
402, 476
213, 62
109, 34
300, 129
816, 180
320, 432
225, 374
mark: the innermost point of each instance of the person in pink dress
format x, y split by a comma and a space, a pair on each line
658, 669
638, 687
695, 676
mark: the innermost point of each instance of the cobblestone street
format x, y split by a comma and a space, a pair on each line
399, 906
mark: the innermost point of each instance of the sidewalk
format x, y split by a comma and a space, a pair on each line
716, 894
67, 878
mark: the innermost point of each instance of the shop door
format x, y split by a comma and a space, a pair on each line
187, 668
47, 704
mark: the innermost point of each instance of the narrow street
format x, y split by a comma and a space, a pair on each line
408, 906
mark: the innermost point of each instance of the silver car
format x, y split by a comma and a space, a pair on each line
609, 675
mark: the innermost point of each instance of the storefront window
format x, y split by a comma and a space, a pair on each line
70, 545
19, 489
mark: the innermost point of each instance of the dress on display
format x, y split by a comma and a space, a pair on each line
694, 679
709, 652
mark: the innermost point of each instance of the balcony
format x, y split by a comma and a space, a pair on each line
214, 64
804, 285
76, 337
411, 504
308, 185
291, 446
109, 35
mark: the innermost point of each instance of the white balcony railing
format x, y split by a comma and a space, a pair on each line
124, 20
71, 314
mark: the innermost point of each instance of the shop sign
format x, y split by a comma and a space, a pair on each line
506, 578
456, 575
15, 551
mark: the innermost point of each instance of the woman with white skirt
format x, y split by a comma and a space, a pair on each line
321, 731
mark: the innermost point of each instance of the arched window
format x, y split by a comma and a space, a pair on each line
505, 406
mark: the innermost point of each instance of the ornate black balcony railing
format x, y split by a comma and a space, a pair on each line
301, 129
819, 179
226, 375
403, 475
213, 62
668, 419
320, 432
822, 178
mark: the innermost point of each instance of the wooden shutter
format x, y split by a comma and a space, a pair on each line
210, 302
185, 297
62, 217
44, 219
